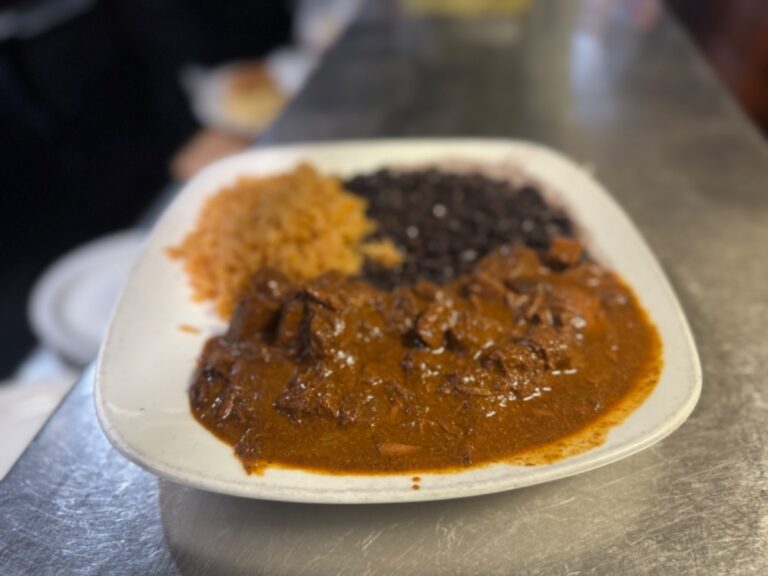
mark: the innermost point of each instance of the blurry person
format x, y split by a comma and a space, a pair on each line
90, 112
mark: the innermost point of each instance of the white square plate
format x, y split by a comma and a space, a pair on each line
146, 362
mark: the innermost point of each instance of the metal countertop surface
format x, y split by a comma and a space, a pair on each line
619, 90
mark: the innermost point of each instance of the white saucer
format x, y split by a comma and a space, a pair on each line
72, 301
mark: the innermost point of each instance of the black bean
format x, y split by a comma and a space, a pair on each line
437, 217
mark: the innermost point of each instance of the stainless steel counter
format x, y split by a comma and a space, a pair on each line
620, 91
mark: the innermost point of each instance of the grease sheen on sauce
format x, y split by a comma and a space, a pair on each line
529, 358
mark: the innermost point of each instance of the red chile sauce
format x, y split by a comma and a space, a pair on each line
527, 356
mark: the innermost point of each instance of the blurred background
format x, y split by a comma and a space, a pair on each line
106, 106
104, 103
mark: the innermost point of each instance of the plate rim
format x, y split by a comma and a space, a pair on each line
579, 463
